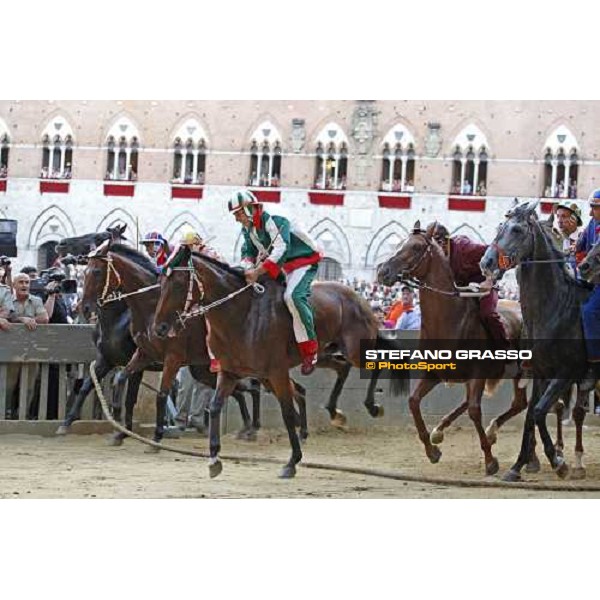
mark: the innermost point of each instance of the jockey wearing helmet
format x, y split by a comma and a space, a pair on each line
191, 238
464, 256
156, 247
277, 246
591, 308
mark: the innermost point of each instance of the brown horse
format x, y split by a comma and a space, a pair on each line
251, 333
117, 268
446, 316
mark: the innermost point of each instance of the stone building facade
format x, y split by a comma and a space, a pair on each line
357, 174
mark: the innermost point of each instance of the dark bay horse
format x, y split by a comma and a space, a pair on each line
116, 268
251, 333
112, 338
551, 302
446, 316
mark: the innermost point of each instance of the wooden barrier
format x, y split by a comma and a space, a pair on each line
70, 347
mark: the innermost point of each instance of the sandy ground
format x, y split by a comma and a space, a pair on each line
84, 466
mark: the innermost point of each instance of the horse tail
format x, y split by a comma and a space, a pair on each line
399, 380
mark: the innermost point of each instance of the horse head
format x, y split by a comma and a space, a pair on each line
513, 242
176, 282
411, 259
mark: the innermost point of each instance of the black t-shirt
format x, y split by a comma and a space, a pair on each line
60, 313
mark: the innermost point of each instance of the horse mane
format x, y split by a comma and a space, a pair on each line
235, 271
136, 257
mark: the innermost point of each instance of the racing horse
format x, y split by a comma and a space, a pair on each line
553, 329
114, 345
445, 315
251, 333
115, 268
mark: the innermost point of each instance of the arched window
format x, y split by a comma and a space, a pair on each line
561, 166
398, 166
329, 270
122, 151
4, 147
469, 163
57, 150
331, 167
189, 159
265, 156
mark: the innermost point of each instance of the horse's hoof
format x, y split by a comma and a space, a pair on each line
376, 411
248, 435
303, 436
533, 466
434, 455
578, 473
151, 450
63, 430
560, 452
491, 433
492, 467
512, 476
287, 472
214, 468
115, 440
339, 421
437, 436
562, 469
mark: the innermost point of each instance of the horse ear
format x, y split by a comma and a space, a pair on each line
122, 228
417, 226
531, 207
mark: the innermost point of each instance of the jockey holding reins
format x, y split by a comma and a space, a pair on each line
464, 256
277, 246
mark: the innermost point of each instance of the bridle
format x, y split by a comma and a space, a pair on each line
116, 295
407, 276
201, 310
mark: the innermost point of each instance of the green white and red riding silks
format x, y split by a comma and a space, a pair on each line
281, 245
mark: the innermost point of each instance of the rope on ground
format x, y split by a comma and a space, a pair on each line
445, 481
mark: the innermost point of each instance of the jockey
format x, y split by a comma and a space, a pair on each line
567, 229
191, 238
274, 245
591, 308
156, 247
464, 256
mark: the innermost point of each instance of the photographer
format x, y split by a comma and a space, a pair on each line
55, 304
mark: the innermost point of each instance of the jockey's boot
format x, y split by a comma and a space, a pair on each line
215, 365
308, 351
592, 375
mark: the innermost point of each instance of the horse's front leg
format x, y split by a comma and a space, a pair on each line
226, 383
171, 365
342, 369
437, 434
474, 393
578, 471
423, 387
555, 389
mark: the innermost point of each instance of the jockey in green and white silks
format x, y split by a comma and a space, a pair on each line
275, 245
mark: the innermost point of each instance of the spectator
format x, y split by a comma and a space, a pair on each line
30, 271
411, 315
481, 190
6, 307
466, 189
28, 309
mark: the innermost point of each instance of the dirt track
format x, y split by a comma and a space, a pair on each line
85, 467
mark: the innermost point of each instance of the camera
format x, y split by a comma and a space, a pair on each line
38, 287
4, 261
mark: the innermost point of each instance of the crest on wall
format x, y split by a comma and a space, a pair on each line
433, 140
298, 136
364, 125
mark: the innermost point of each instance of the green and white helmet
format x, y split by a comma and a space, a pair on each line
242, 200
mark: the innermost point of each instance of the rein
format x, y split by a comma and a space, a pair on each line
115, 296
187, 314
458, 292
